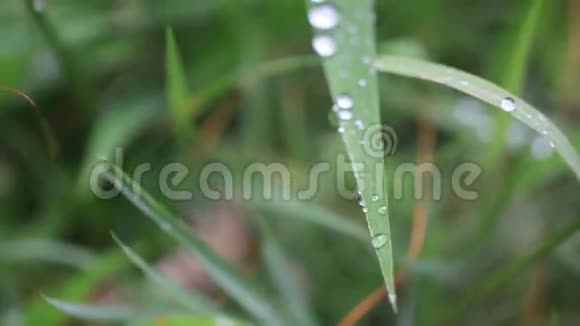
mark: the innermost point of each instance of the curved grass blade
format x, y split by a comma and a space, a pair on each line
194, 302
113, 129
38, 250
114, 312
183, 320
487, 92
52, 144
345, 40
223, 274
79, 286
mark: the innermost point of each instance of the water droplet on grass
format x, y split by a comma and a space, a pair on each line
344, 101
324, 45
359, 124
324, 16
382, 210
379, 241
344, 114
362, 82
508, 104
375, 198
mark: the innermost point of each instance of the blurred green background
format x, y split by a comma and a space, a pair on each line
103, 77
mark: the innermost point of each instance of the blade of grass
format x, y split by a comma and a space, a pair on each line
40, 250
176, 87
52, 144
348, 50
193, 301
278, 268
114, 312
113, 129
486, 92
223, 274
77, 81
77, 287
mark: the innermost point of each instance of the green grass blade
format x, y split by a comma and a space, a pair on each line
76, 288
114, 312
114, 129
40, 250
176, 85
223, 274
486, 92
278, 267
183, 320
345, 40
194, 302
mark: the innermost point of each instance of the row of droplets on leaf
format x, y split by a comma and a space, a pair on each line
324, 18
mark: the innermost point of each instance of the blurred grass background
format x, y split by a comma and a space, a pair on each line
101, 74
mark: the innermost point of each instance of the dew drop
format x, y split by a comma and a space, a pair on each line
359, 124
323, 16
362, 82
324, 45
508, 104
344, 114
341, 129
379, 241
375, 198
344, 101
365, 210
382, 210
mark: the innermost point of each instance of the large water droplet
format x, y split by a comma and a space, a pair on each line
323, 16
324, 45
508, 104
379, 241
382, 210
344, 101
344, 114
